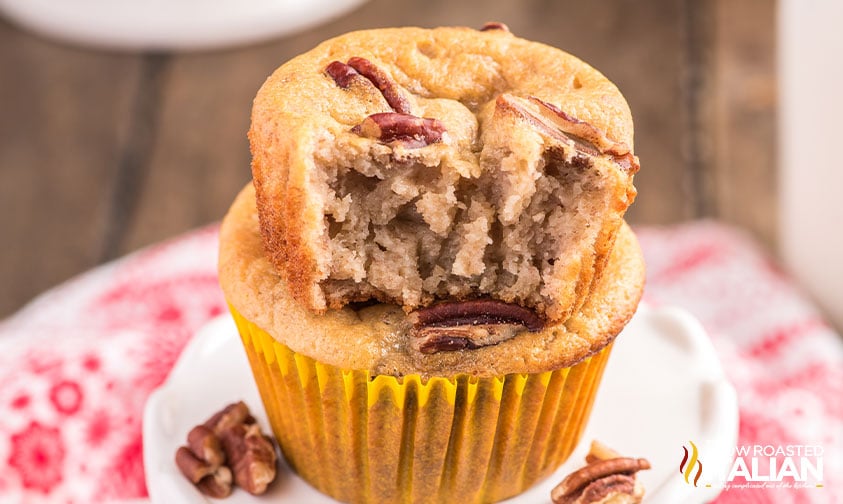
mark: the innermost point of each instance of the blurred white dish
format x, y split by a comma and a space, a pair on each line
663, 386
170, 24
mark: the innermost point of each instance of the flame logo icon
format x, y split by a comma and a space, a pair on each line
686, 467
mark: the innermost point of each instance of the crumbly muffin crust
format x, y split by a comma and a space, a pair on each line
376, 337
409, 165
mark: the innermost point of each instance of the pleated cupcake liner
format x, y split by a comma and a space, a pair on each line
364, 438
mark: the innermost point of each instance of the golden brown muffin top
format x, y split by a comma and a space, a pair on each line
463, 66
376, 337
476, 109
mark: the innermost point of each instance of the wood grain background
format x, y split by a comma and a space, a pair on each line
104, 152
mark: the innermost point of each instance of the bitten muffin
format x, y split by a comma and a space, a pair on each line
411, 166
366, 414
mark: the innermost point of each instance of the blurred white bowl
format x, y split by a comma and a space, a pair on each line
162, 25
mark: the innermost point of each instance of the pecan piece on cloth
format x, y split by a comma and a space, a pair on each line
606, 477
586, 139
228, 449
408, 129
468, 325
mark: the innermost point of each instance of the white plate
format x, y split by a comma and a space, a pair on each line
170, 24
662, 388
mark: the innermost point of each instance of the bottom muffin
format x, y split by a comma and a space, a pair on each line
364, 416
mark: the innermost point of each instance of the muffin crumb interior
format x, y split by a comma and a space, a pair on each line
444, 222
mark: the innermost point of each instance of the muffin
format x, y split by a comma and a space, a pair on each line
364, 416
431, 264
411, 165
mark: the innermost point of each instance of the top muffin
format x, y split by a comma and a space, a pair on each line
411, 165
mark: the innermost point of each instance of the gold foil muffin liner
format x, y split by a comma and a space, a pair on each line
369, 438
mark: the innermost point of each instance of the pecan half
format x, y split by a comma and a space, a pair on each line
494, 25
601, 469
341, 73
555, 123
218, 485
600, 489
606, 474
206, 445
469, 325
192, 467
408, 129
428, 340
383, 82
201, 462
233, 414
581, 129
212, 481
251, 457
228, 442
400, 125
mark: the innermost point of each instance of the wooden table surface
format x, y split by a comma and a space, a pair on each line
105, 152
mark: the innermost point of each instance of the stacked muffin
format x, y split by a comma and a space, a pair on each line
431, 265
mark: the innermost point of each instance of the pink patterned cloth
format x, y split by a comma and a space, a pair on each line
77, 364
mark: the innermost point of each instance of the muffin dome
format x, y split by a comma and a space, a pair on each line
411, 166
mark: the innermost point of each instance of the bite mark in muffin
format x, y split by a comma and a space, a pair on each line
414, 190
